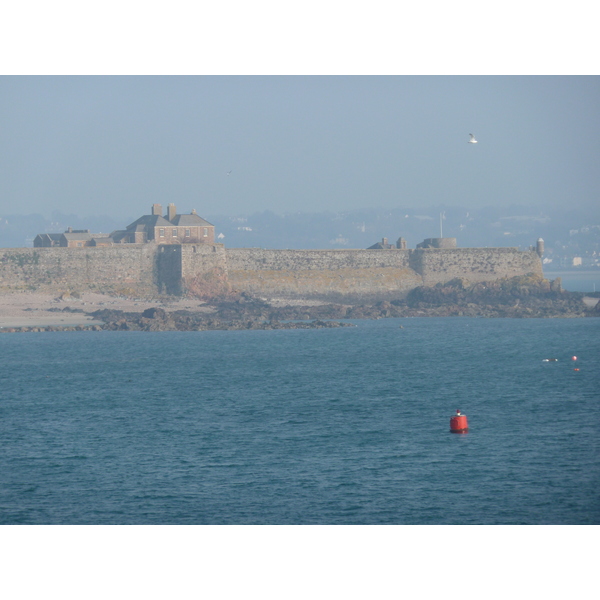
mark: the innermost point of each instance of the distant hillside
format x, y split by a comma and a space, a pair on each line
566, 233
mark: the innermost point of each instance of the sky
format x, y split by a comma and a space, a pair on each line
230, 145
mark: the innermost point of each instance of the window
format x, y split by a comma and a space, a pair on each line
161, 232
187, 233
206, 232
174, 232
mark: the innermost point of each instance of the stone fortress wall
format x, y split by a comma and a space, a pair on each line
474, 264
329, 275
325, 275
123, 269
355, 275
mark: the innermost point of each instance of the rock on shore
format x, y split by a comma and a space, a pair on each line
517, 297
158, 319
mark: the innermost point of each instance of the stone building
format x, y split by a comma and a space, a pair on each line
438, 243
153, 228
47, 240
170, 229
383, 245
71, 238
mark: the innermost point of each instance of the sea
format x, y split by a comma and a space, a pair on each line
340, 426
577, 281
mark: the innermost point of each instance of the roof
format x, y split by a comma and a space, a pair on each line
192, 220
381, 246
148, 221
119, 234
86, 237
51, 236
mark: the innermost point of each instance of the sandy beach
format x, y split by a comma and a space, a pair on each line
32, 310
43, 310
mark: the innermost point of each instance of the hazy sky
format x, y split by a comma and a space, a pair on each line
115, 145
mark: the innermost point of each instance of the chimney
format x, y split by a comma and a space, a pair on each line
157, 210
171, 212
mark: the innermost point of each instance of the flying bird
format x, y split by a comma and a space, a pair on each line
472, 140
228, 172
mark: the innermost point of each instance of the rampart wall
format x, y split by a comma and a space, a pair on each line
209, 269
474, 264
328, 275
203, 270
118, 269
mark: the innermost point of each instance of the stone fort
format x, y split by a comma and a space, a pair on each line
153, 256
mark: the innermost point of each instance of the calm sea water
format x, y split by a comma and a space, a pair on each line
331, 426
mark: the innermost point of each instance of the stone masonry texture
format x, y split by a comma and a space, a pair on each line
326, 275
119, 270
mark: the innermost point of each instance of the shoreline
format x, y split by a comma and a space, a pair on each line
30, 311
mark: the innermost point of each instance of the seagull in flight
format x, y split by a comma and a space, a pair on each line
228, 172
472, 140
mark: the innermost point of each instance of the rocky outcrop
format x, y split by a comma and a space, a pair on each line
157, 319
525, 296
516, 297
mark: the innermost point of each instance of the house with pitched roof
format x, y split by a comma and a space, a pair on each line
71, 238
153, 228
169, 229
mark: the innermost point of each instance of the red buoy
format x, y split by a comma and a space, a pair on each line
458, 423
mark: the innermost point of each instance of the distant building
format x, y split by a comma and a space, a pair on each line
170, 229
71, 238
47, 240
383, 245
438, 243
153, 228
